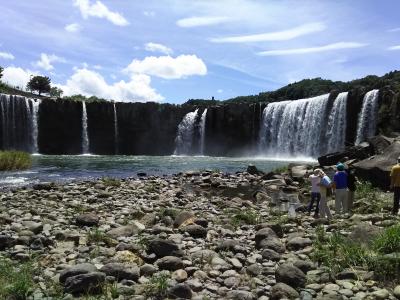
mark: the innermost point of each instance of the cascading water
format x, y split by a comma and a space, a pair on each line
116, 149
293, 127
367, 118
35, 129
85, 136
184, 137
19, 128
203, 130
336, 131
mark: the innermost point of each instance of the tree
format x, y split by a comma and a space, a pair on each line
56, 92
40, 84
1, 72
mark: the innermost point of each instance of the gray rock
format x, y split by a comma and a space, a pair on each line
162, 247
396, 292
304, 265
240, 295
124, 231
273, 244
85, 283
183, 217
6, 242
298, 243
87, 220
271, 255
35, 227
147, 270
121, 271
180, 291
171, 263
195, 231
77, 270
290, 275
264, 233
253, 270
283, 291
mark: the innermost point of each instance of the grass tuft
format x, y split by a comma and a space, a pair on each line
112, 182
14, 160
157, 286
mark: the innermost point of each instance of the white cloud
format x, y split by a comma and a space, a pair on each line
394, 48
394, 29
220, 91
97, 67
168, 67
6, 55
46, 60
154, 47
74, 27
149, 13
330, 47
283, 35
99, 10
87, 82
17, 76
201, 21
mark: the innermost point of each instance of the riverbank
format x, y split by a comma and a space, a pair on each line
198, 235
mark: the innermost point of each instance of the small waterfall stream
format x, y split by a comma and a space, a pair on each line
85, 136
35, 129
367, 118
203, 131
116, 148
184, 137
336, 130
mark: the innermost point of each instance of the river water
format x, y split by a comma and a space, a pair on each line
65, 168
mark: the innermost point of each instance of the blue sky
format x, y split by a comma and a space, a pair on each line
173, 50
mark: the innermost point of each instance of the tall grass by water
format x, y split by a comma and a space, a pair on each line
14, 160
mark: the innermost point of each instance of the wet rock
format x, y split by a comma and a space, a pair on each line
121, 271
43, 186
170, 263
290, 275
87, 220
283, 291
85, 283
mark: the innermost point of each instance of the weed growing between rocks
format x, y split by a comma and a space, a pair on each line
157, 286
16, 281
112, 182
245, 217
381, 256
370, 199
96, 236
14, 160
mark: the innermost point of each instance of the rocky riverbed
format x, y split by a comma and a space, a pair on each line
198, 235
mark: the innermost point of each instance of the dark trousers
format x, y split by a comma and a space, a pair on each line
315, 197
396, 199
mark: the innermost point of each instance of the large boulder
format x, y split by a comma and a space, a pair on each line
163, 248
76, 270
283, 291
290, 275
121, 271
85, 283
362, 151
376, 169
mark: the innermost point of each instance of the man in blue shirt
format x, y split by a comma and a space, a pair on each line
340, 185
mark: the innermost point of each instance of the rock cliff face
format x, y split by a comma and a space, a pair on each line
231, 129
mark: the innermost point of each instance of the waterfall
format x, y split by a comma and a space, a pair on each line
18, 123
184, 137
116, 149
367, 118
336, 130
85, 136
293, 127
35, 129
203, 130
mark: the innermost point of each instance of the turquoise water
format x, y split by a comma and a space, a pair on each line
64, 168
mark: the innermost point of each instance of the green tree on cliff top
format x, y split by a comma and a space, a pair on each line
40, 84
1, 72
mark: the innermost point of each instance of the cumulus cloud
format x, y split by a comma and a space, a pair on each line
99, 10
46, 60
16, 76
394, 48
88, 82
154, 47
6, 55
325, 48
202, 21
168, 67
282, 35
74, 27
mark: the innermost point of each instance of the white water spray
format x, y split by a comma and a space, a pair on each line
116, 149
85, 136
203, 131
184, 137
367, 119
336, 131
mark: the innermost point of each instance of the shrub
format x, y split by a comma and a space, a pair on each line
14, 160
388, 241
16, 281
109, 181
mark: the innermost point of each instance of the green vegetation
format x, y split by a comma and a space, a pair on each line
1, 72
109, 181
14, 160
41, 84
157, 286
245, 216
81, 98
370, 199
382, 255
56, 92
280, 170
16, 281
96, 236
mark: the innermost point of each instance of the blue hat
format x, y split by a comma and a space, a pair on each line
340, 167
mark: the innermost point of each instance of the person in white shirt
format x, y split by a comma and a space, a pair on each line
324, 185
315, 191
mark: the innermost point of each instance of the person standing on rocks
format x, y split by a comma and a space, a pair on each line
324, 184
315, 191
340, 186
395, 186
